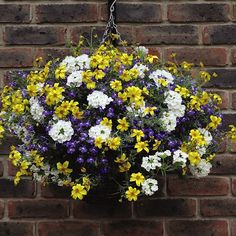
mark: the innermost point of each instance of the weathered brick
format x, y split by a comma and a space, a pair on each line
234, 186
68, 228
218, 207
1, 168
213, 186
76, 32
16, 229
16, 57
1, 209
133, 227
14, 13
198, 12
234, 100
54, 191
219, 34
165, 208
197, 228
233, 56
233, 228
225, 98
53, 209
12, 169
25, 189
102, 209
234, 13
49, 53
208, 56
55, 13
226, 78
135, 12
227, 120
43, 35
224, 164
167, 34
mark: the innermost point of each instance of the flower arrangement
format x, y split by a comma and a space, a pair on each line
116, 115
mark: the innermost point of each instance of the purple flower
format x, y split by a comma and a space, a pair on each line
83, 149
80, 160
90, 160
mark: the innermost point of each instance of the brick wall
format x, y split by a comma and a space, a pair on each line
198, 31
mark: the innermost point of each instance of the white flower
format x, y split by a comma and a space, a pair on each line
98, 99
166, 153
75, 78
168, 121
36, 110
61, 131
141, 70
102, 131
136, 112
83, 61
180, 157
151, 162
149, 186
141, 50
161, 74
202, 169
207, 135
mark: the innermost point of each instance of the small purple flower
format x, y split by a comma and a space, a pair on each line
71, 150
83, 149
93, 150
90, 160
104, 161
80, 160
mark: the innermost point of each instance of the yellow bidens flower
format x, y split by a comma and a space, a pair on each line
1, 130
53, 94
140, 146
60, 72
63, 168
150, 110
138, 178
114, 143
197, 137
156, 145
132, 194
194, 158
184, 92
205, 76
78, 191
124, 165
123, 124
116, 85
137, 133
14, 156
232, 133
215, 122
98, 142
105, 121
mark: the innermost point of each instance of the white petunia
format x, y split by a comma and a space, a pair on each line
180, 157
61, 131
151, 162
168, 121
149, 186
102, 131
141, 50
201, 170
75, 78
98, 99
36, 110
141, 70
207, 135
161, 74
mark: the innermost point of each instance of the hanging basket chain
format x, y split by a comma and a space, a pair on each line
111, 27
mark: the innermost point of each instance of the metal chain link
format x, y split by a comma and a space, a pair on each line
111, 26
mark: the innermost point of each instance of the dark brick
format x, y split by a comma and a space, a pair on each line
234, 100
57, 13
133, 227
14, 13
68, 228
218, 207
225, 98
135, 12
54, 191
165, 208
168, 34
234, 13
208, 56
1, 210
1, 168
12, 169
224, 164
234, 186
49, 53
25, 189
198, 12
24, 35
15, 57
226, 78
197, 228
101, 209
53, 209
219, 34
228, 119
233, 228
209, 186
16, 229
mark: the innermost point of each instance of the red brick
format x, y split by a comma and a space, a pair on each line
25, 189
49, 53
165, 208
198, 12
208, 56
234, 100
233, 228
58, 13
101, 209
133, 227
12, 169
53, 209
219, 34
16, 228
135, 12
69, 228
209, 186
233, 56
155, 51
54, 191
34, 35
234, 186
224, 164
218, 207
234, 13
1, 210
16, 57
225, 99
14, 13
167, 34
197, 228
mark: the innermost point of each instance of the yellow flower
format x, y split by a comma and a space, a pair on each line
186, 66
63, 168
232, 133
114, 143
24, 165
124, 167
32, 90
215, 122
78, 191
126, 59
121, 159
132, 194
123, 124
137, 133
138, 178
126, 76
134, 93
150, 110
60, 72
98, 142
122, 96
86, 183
99, 74
95, 60
1, 131
205, 76
140, 146
116, 85
156, 145
107, 122
14, 156
194, 158
184, 92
